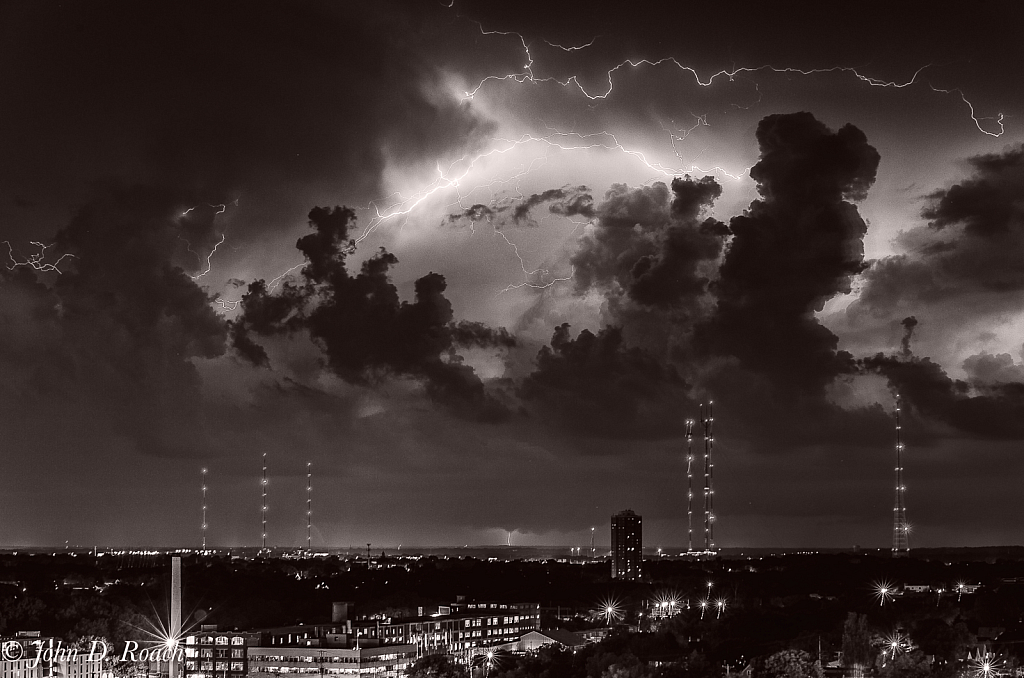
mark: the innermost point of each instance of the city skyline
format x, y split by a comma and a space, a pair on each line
478, 266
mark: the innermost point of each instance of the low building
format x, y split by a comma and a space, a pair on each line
382, 646
534, 640
384, 661
217, 654
457, 627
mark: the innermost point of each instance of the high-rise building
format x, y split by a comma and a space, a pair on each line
627, 545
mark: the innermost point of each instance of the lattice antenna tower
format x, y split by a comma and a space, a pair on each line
309, 506
204, 509
264, 484
689, 484
900, 527
707, 418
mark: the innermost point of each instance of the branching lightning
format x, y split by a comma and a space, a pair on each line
527, 75
455, 176
36, 261
221, 208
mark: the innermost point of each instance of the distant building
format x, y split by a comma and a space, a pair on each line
627, 546
534, 640
391, 661
382, 646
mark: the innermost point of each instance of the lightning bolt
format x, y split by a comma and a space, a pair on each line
566, 141
398, 206
36, 261
528, 76
221, 208
232, 304
572, 49
209, 257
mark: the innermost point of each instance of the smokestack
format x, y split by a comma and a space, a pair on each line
175, 626
339, 613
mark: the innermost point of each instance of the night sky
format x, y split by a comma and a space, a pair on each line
478, 264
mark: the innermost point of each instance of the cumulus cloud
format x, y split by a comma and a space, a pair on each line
651, 243
994, 411
960, 270
796, 247
596, 386
969, 247
366, 332
988, 368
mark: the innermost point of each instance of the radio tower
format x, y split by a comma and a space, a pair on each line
264, 548
309, 506
900, 528
204, 509
707, 418
689, 485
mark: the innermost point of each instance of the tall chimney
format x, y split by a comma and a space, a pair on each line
175, 626
339, 612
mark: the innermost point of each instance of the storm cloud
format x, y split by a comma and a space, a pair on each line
118, 329
366, 332
795, 248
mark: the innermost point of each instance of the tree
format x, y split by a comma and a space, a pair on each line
626, 666
913, 664
791, 664
857, 652
437, 666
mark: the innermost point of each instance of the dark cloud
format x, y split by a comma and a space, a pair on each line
258, 101
469, 333
989, 203
994, 411
793, 250
366, 332
596, 386
118, 330
658, 262
962, 269
568, 201
988, 368
478, 212
651, 243
969, 248
909, 325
